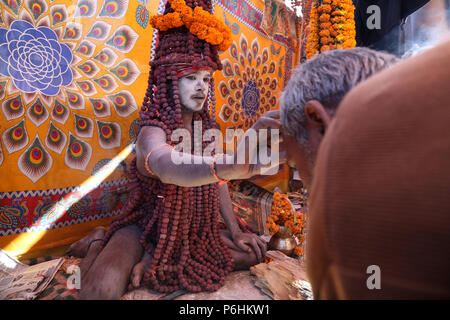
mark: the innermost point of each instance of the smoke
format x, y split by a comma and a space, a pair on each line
427, 28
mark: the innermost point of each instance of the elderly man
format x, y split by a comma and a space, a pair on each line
310, 100
380, 225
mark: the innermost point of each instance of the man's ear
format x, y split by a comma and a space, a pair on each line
316, 116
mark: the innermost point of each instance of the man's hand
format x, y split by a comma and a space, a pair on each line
250, 241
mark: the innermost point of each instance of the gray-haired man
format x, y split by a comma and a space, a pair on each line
312, 96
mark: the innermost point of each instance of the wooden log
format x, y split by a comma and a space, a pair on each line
284, 277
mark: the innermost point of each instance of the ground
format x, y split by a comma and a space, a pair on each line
239, 285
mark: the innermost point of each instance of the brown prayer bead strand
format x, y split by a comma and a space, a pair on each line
199, 280
148, 98
174, 258
190, 45
175, 217
225, 257
147, 231
214, 240
198, 215
209, 251
121, 219
199, 261
204, 266
204, 5
130, 217
213, 105
185, 248
152, 218
177, 102
208, 255
162, 228
201, 268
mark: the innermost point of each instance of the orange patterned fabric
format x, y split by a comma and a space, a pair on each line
73, 75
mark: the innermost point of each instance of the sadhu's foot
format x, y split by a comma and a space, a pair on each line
138, 271
80, 248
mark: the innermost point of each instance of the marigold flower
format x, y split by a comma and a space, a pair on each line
199, 22
325, 8
324, 33
324, 17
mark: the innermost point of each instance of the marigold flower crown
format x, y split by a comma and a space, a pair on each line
198, 21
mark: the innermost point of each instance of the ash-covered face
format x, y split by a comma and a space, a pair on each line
194, 90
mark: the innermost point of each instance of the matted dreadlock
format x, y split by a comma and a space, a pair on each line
180, 224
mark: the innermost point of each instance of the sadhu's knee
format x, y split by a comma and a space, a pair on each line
108, 284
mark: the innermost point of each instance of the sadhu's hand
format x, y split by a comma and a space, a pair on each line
249, 242
246, 159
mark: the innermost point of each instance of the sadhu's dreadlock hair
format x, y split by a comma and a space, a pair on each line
180, 225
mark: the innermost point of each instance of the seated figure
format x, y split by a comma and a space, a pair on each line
167, 236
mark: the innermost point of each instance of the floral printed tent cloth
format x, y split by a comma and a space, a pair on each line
279, 19
73, 75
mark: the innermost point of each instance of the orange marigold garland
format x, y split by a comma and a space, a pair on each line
332, 26
306, 6
199, 22
282, 214
312, 46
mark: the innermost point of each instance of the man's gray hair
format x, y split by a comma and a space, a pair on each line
327, 78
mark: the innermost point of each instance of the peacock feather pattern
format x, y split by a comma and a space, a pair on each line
72, 75
249, 84
54, 66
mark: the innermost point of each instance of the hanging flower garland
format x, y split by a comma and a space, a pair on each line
282, 214
332, 26
306, 6
200, 23
312, 46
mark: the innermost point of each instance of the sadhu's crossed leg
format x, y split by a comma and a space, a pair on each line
120, 266
105, 273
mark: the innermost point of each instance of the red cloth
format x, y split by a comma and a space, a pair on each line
381, 190
183, 71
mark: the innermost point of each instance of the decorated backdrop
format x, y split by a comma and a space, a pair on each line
73, 75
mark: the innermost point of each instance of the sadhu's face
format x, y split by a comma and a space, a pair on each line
194, 90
